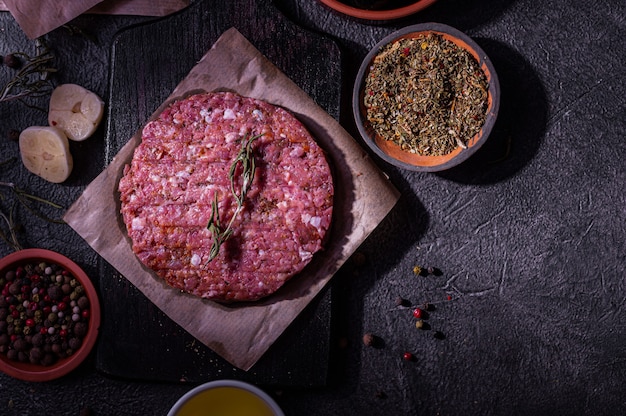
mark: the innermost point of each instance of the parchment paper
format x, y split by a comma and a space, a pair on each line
242, 333
154, 8
36, 18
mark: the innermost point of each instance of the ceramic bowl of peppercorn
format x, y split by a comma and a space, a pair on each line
426, 97
49, 315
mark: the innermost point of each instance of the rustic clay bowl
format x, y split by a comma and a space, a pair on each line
391, 152
33, 372
225, 397
381, 14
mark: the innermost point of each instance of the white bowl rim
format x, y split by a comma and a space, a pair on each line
226, 383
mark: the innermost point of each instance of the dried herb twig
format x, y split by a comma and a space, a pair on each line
245, 159
32, 80
8, 161
11, 239
74, 30
24, 199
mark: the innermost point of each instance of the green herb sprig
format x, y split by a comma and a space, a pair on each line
245, 159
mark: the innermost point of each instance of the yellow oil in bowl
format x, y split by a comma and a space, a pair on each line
228, 397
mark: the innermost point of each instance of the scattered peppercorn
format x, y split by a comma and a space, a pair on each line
435, 271
419, 324
342, 343
80, 329
13, 135
417, 270
55, 292
75, 343
439, 335
369, 340
400, 301
428, 306
85, 411
407, 356
83, 302
12, 61
359, 259
417, 313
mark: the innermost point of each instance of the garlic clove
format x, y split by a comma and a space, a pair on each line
45, 152
75, 110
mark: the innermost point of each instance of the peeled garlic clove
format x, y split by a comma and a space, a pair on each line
75, 110
74, 125
92, 107
45, 152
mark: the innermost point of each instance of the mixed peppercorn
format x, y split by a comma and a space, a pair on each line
44, 313
420, 313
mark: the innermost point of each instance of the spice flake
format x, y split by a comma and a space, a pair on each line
426, 94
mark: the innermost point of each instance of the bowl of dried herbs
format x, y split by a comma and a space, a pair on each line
426, 97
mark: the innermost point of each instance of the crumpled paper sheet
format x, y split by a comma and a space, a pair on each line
36, 18
242, 333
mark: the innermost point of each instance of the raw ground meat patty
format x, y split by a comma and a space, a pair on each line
183, 161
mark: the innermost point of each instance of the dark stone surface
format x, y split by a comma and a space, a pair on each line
528, 234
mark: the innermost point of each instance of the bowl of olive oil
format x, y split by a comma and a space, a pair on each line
226, 397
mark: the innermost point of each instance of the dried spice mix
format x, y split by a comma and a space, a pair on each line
426, 94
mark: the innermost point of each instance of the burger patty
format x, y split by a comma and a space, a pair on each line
182, 166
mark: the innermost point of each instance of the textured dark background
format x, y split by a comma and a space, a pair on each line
528, 234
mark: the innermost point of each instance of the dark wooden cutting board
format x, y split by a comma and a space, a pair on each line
137, 340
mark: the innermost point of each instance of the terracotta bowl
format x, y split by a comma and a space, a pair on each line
381, 14
226, 397
391, 152
35, 372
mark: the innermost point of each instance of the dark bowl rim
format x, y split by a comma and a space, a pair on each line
494, 88
33, 372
